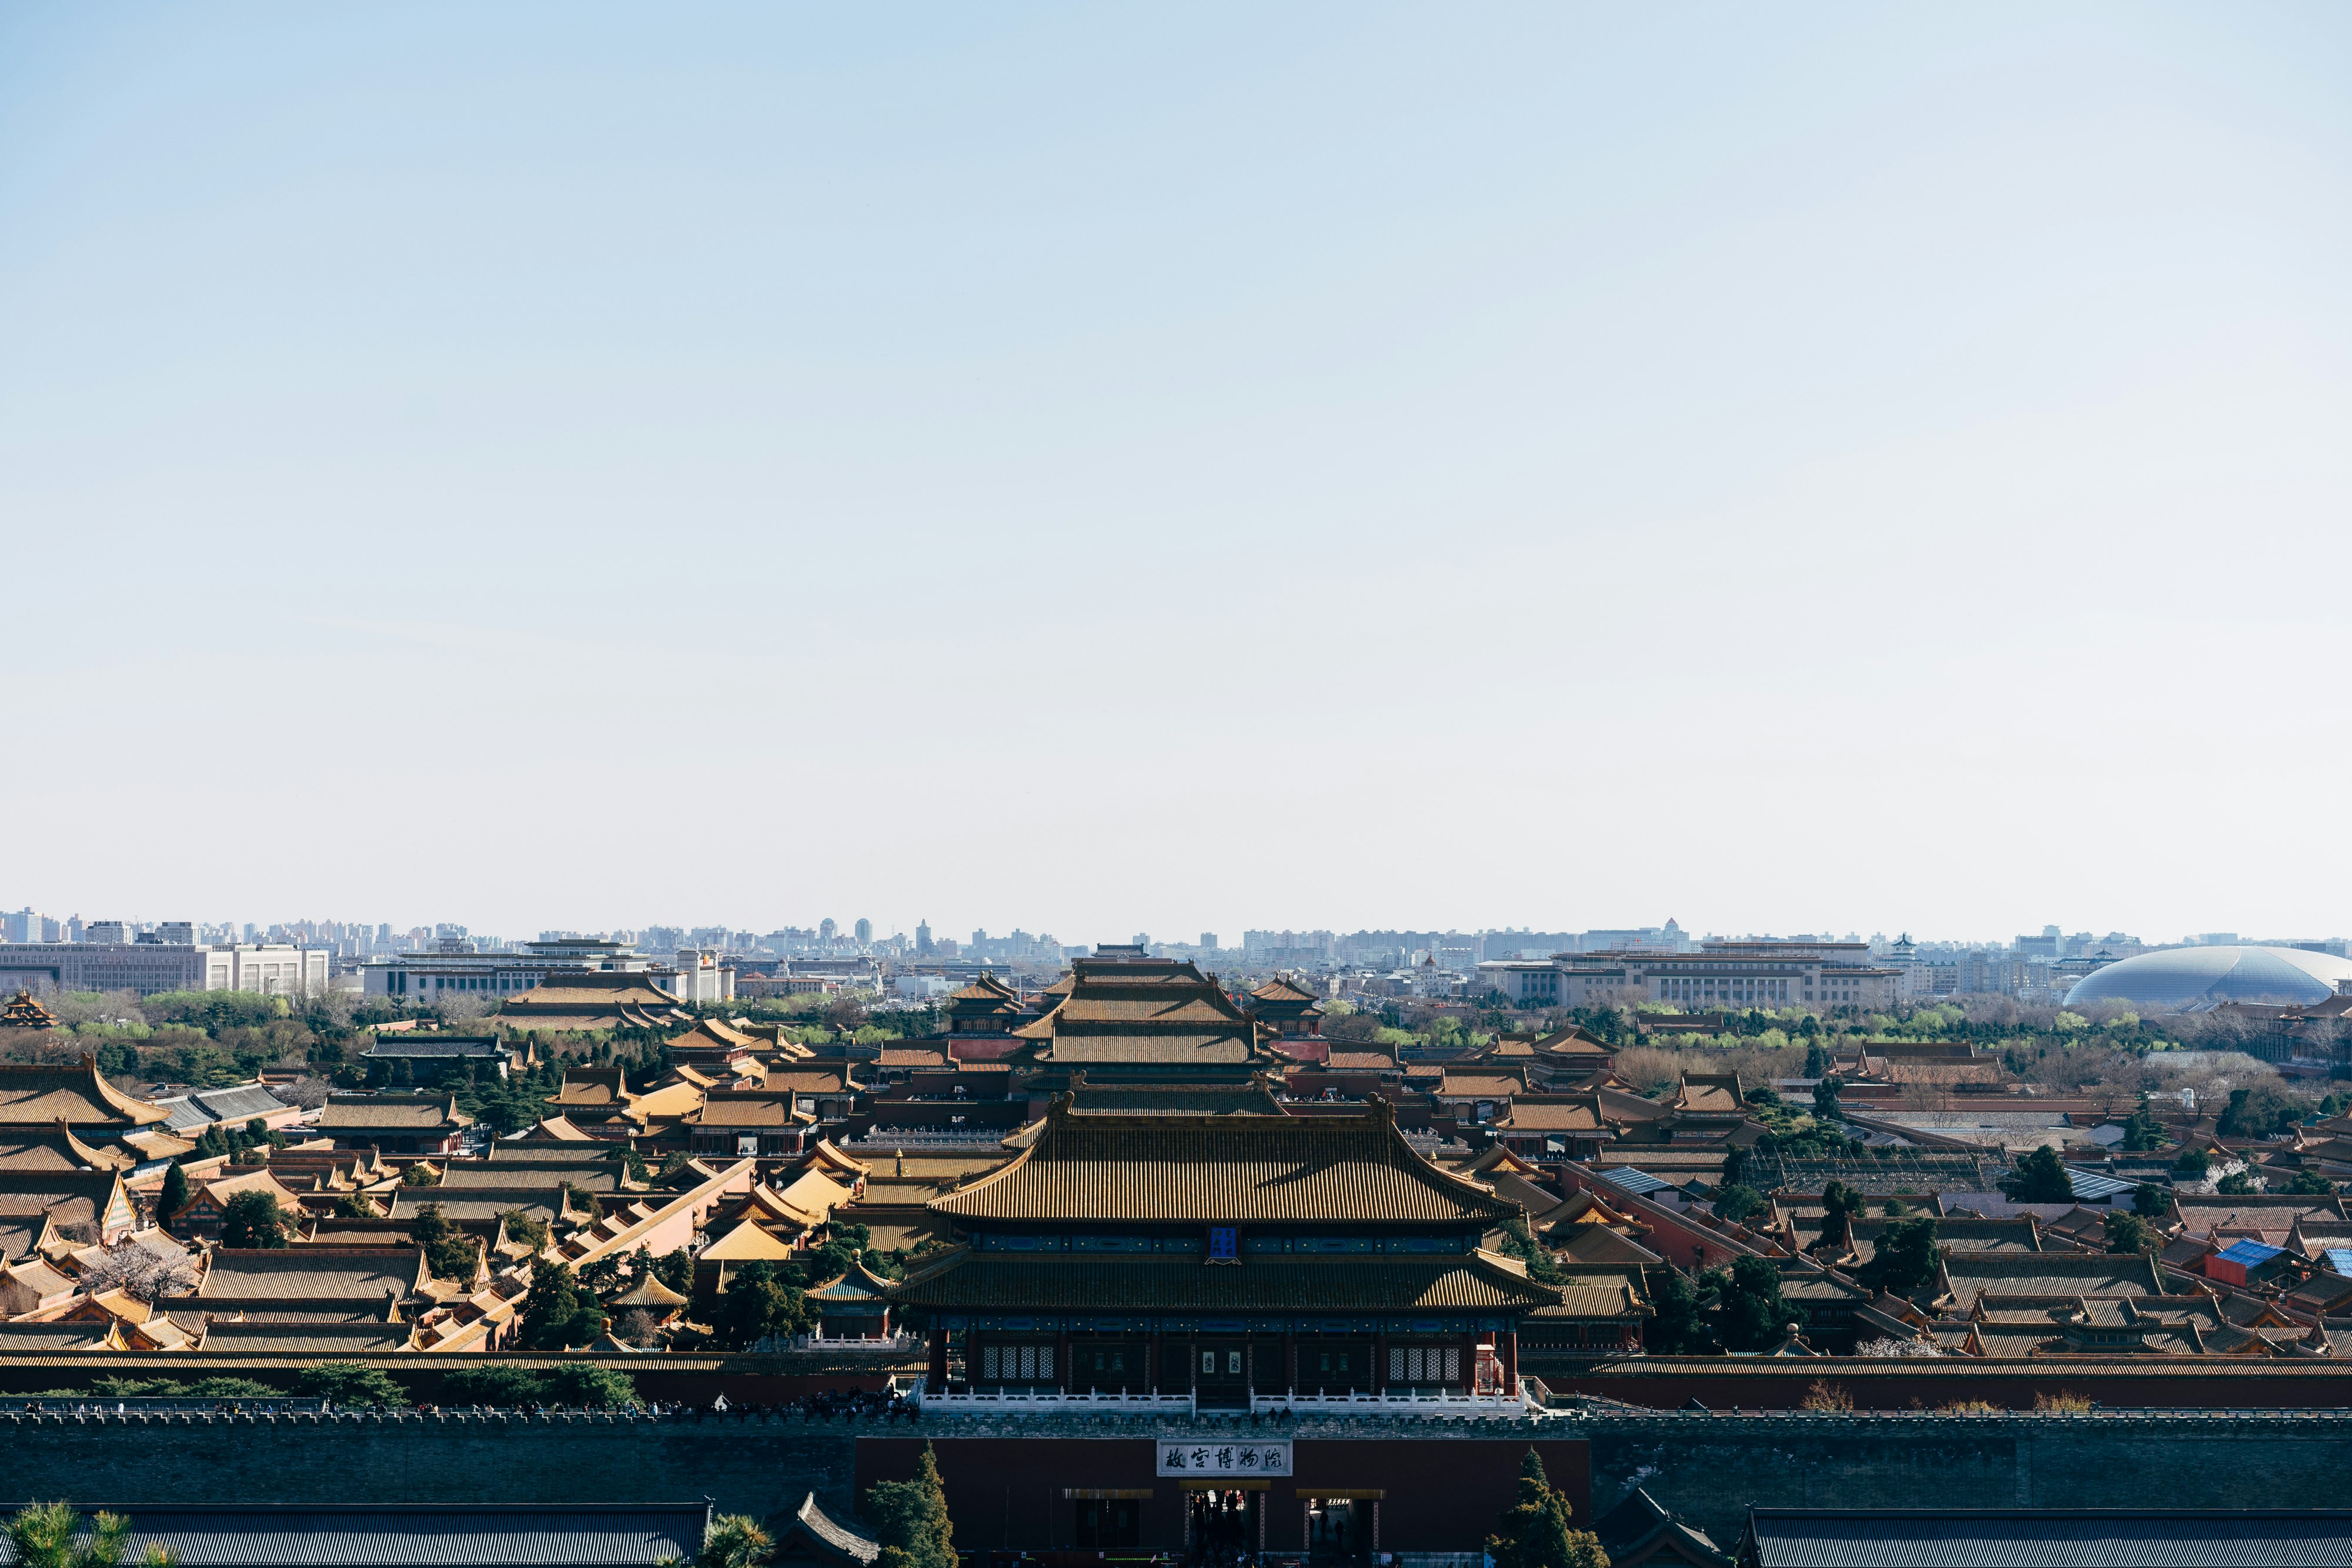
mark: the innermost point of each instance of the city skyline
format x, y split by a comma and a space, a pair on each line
390, 936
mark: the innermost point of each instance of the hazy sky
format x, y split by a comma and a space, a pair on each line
1116, 468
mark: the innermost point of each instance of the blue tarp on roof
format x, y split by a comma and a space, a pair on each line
2339, 1260
2250, 1254
1640, 1183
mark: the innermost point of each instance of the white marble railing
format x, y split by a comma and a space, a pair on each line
983, 1402
1398, 1401
1431, 1403
901, 1344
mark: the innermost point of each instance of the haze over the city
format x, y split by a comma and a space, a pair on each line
1103, 472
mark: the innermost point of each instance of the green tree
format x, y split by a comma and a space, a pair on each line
554, 1315
450, 1253
1678, 1328
253, 1219
759, 1304
2150, 1199
348, 1383
50, 1535
2237, 1183
2310, 1184
1905, 1258
2128, 1233
2192, 1164
585, 1384
675, 1270
2142, 1131
910, 1519
2256, 1113
1840, 1205
1735, 1203
1518, 1242
496, 1383
2039, 1178
1535, 1531
1825, 1101
1749, 1314
175, 1196
525, 1231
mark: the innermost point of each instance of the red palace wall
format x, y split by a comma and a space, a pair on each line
1443, 1493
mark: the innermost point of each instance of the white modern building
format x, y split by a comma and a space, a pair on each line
455, 968
148, 965
1721, 974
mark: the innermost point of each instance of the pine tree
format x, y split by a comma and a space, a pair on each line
675, 1270
734, 1541
549, 1310
1534, 1531
175, 1196
2039, 1177
1750, 1314
253, 1219
1905, 1258
911, 1518
760, 1305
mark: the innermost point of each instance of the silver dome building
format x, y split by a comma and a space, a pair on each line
2193, 979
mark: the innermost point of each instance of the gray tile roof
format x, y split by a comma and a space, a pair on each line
2048, 1538
832, 1533
426, 1535
241, 1103
414, 1046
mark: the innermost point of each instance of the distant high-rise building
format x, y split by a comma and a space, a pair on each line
1208, 939
865, 929
922, 938
827, 929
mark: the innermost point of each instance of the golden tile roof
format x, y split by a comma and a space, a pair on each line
41, 1095
1241, 1168
56, 1149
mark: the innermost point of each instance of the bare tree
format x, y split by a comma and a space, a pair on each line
638, 1327
307, 1092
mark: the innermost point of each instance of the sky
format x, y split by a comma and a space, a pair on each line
1115, 469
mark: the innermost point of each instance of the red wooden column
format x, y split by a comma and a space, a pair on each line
1470, 1361
1380, 1361
937, 1378
1507, 1351
1064, 1374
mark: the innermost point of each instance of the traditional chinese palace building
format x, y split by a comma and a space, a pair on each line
1225, 1261
1156, 1020
1183, 1321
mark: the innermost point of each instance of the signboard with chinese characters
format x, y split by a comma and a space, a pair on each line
1237, 1459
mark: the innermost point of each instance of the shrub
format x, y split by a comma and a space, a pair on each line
348, 1383
585, 1382
493, 1383
1824, 1394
